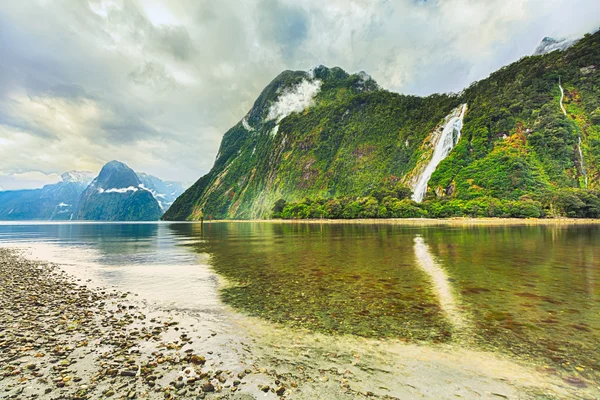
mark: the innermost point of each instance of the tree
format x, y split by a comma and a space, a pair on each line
278, 208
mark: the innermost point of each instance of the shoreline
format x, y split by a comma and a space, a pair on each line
455, 221
458, 221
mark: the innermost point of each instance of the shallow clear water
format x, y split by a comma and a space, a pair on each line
529, 291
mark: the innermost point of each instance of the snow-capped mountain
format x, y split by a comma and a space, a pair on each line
165, 192
117, 194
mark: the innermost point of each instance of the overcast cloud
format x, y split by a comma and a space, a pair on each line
155, 84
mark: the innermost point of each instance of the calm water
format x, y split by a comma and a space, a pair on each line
529, 291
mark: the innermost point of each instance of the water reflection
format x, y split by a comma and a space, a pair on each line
530, 291
441, 285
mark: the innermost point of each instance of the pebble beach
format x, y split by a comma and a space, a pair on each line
60, 339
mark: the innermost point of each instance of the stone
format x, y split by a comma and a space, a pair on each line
208, 387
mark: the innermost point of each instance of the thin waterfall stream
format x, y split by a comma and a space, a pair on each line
581, 162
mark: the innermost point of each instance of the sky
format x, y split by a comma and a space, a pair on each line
156, 83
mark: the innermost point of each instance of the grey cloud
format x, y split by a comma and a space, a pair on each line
96, 82
153, 75
128, 128
287, 25
174, 40
69, 91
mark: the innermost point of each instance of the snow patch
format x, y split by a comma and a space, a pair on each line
83, 177
295, 99
275, 130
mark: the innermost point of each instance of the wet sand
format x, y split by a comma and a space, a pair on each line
65, 338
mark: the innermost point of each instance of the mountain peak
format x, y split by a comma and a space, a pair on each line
83, 177
118, 194
115, 164
550, 44
116, 174
295, 91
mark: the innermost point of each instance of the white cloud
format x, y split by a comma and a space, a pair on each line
295, 99
118, 190
28, 180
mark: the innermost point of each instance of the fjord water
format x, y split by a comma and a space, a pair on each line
530, 291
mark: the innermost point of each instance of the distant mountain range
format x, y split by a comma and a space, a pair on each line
52, 202
116, 194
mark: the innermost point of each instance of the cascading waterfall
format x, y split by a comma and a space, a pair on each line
581, 163
448, 139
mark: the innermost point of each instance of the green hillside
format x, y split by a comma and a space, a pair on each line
356, 143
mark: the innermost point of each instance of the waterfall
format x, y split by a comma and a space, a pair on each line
581, 163
583, 172
562, 96
448, 139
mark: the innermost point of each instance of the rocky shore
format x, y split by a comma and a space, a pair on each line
60, 339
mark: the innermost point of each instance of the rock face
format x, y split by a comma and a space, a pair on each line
326, 133
117, 194
52, 202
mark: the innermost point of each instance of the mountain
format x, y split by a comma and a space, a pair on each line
549, 45
52, 202
528, 134
165, 192
117, 194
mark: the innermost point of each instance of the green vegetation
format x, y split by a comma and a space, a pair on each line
517, 152
572, 203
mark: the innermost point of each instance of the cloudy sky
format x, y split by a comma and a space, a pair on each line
156, 83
